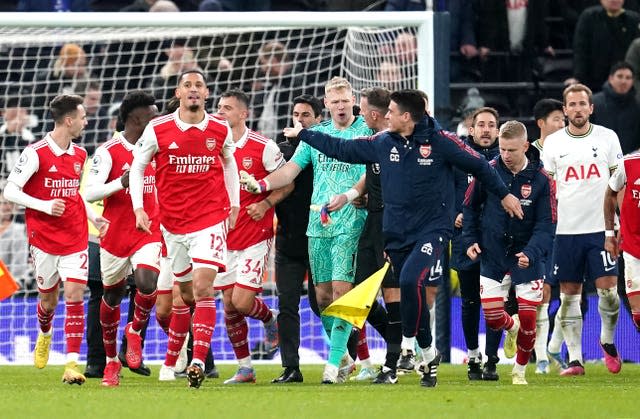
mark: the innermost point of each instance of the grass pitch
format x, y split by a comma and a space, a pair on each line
29, 393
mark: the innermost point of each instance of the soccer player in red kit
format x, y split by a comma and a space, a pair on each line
46, 180
125, 248
625, 181
250, 241
198, 190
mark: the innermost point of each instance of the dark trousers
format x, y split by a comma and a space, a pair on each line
290, 275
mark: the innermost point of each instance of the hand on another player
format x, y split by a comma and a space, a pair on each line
458, 222
257, 210
611, 246
474, 251
102, 224
233, 216
337, 202
293, 132
523, 260
361, 201
511, 204
57, 207
142, 220
250, 183
124, 179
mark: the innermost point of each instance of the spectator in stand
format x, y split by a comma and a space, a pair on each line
235, 6
633, 58
15, 134
164, 6
602, 37
463, 37
97, 130
139, 6
67, 76
14, 250
275, 92
515, 27
53, 6
617, 108
180, 59
389, 75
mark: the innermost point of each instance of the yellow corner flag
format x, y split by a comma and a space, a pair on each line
354, 306
8, 285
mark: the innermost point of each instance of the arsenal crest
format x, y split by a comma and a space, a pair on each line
525, 190
425, 150
77, 167
247, 162
210, 143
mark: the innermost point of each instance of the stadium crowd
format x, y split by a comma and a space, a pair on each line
189, 198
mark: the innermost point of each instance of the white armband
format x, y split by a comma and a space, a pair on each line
351, 194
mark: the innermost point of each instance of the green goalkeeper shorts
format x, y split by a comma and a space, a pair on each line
333, 258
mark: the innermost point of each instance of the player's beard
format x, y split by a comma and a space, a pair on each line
194, 108
579, 122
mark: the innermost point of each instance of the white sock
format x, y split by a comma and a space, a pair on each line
473, 353
432, 321
73, 356
557, 337
609, 308
110, 359
570, 317
198, 362
408, 344
542, 332
428, 354
519, 368
245, 362
366, 363
48, 332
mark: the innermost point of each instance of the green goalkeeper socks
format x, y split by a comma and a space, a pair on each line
339, 338
327, 323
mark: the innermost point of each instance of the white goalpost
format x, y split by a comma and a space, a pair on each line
102, 56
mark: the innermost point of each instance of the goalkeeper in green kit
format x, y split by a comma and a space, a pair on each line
332, 244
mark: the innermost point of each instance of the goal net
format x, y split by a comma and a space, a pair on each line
103, 56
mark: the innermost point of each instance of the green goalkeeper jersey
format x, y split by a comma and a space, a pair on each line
332, 177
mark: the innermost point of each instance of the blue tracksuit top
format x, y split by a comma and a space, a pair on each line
459, 258
416, 174
500, 237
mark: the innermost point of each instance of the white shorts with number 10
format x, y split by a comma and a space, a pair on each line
245, 268
528, 292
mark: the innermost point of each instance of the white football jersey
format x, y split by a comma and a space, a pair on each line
581, 166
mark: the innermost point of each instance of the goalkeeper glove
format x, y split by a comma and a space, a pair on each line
251, 184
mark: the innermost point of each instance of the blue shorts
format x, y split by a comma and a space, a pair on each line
422, 263
580, 257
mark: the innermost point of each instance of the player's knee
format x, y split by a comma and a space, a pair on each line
113, 296
608, 294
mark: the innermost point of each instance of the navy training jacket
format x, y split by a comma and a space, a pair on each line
416, 174
500, 237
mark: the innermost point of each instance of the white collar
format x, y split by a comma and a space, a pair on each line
202, 125
118, 135
56, 148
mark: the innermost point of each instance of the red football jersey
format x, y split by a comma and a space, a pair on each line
189, 173
122, 238
258, 156
630, 212
58, 176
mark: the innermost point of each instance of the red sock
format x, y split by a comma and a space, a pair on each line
74, 325
497, 318
363, 348
164, 322
44, 318
237, 330
204, 320
143, 305
260, 311
527, 333
178, 329
636, 319
109, 320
